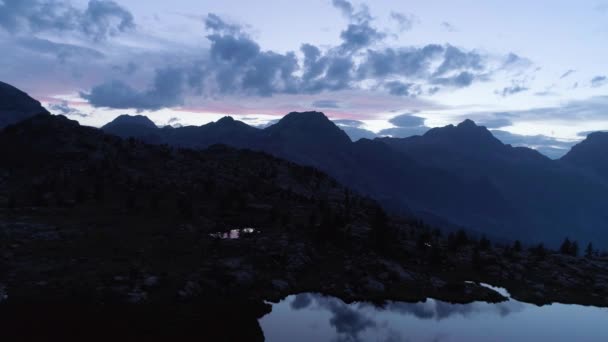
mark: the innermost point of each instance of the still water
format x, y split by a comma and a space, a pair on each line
312, 317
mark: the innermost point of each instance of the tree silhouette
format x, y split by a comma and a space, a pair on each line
566, 247
517, 246
589, 250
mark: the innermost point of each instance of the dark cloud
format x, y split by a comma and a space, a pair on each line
100, 20
174, 122
403, 20
103, 18
358, 36
235, 64
457, 59
348, 10
64, 108
166, 91
599, 81
214, 23
410, 62
407, 120
344, 6
398, 88
512, 90
407, 125
326, 104
461, 80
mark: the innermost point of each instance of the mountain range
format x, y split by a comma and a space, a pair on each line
456, 176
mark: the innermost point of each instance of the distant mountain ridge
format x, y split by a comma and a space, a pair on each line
460, 173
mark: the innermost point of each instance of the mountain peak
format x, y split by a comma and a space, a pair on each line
313, 127
311, 116
468, 123
131, 120
466, 135
225, 120
590, 153
16, 105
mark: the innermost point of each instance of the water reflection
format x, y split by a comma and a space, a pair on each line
312, 317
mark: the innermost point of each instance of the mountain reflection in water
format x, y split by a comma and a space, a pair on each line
313, 317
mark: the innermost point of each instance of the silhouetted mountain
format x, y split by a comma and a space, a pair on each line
591, 155
67, 165
546, 200
16, 105
461, 174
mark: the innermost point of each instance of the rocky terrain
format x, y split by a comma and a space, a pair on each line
158, 241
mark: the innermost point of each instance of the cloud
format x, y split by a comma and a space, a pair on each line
512, 90
406, 125
345, 7
403, 20
354, 130
214, 23
446, 26
348, 10
599, 81
348, 122
326, 104
403, 132
438, 310
63, 52
551, 147
346, 319
103, 19
100, 20
457, 59
358, 36
398, 88
567, 73
64, 108
495, 123
236, 65
301, 301
407, 120
167, 91
584, 134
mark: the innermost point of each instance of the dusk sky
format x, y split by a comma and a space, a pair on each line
536, 72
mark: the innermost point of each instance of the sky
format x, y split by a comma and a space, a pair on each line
533, 72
